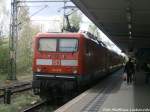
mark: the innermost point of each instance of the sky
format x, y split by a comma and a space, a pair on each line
4, 20
49, 16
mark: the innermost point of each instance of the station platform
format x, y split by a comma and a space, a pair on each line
113, 95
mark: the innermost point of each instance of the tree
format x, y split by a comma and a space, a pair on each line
72, 23
75, 19
24, 49
3, 18
4, 55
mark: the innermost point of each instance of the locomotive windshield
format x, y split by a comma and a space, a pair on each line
64, 45
47, 44
68, 45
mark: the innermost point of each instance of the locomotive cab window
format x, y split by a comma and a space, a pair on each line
47, 45
68, 45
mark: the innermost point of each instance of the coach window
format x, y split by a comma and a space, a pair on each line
68, 45
47, 45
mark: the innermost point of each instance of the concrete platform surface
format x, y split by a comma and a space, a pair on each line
113, 95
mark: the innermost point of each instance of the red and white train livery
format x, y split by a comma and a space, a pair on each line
69, 60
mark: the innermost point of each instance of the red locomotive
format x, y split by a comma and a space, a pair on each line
69, 60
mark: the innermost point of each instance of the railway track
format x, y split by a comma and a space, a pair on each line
16, 88
38, 106
35, 107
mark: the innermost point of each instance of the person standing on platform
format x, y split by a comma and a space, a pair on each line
147, 70
130, 70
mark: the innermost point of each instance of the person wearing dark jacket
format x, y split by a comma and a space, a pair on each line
147, 71
129, 69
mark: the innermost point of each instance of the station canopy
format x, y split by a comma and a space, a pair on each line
125, 22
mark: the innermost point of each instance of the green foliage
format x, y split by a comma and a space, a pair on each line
24, 45
75, 20
4, 55
24, 50
19, 102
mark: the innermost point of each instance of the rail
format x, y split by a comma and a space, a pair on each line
35, 107
14, 88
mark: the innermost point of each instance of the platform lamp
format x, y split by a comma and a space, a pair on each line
130, 39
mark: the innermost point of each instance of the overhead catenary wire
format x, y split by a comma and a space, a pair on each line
34, 14
31, 5
39, 10
15, 4
36, 1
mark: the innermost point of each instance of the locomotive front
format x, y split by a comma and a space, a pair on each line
56, 59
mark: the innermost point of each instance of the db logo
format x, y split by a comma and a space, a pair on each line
56, 62
56, 70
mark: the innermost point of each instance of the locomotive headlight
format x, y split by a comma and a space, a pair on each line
75, 71
38, 69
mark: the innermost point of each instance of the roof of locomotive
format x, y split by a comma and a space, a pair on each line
71, 35
57, 35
